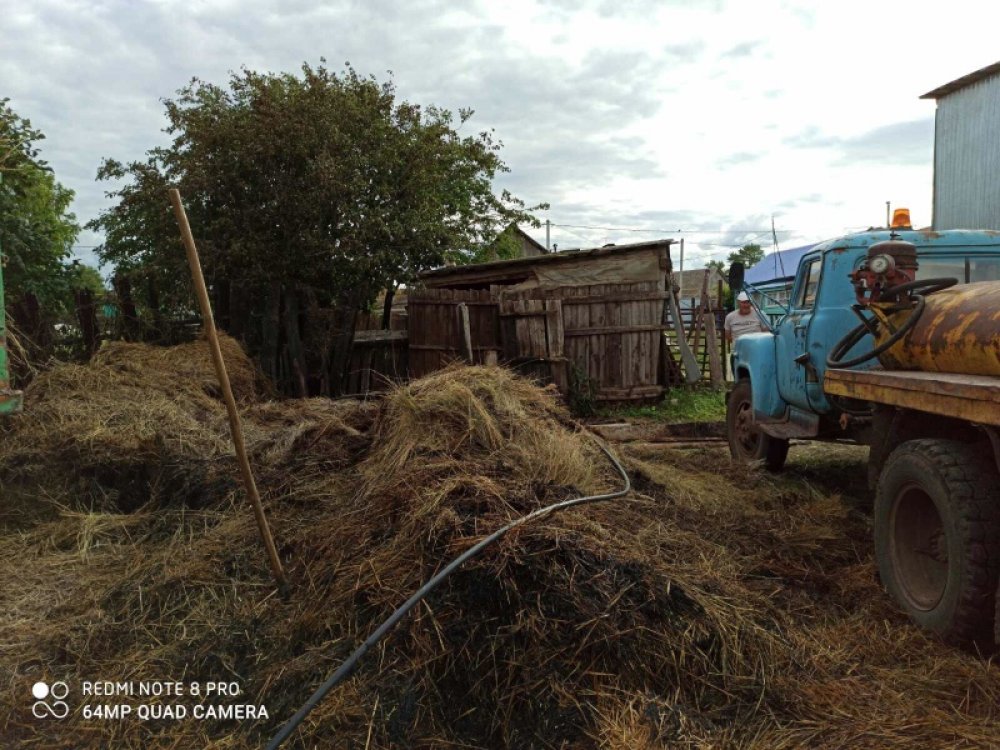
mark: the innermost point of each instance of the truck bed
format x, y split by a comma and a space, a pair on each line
975, 398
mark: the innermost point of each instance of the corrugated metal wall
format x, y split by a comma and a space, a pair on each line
967, 158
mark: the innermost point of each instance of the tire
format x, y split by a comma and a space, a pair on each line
937, 538
747, 444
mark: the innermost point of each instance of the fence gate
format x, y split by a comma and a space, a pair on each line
532, 332
451, 324
611, 335
607, 338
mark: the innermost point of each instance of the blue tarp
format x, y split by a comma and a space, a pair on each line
777, 266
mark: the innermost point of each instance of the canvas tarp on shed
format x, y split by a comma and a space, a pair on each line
611, 269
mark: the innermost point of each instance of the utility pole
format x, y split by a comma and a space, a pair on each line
888, 220
680, 276
548, 225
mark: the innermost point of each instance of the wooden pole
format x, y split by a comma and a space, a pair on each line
692, 373
235, 427
712, 343
466, 332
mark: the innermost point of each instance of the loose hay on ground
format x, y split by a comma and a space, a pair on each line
712, 609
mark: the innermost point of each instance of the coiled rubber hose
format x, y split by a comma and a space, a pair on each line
348, 667
917, 290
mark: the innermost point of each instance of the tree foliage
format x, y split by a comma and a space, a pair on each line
322, 181
37, 230
749, 255
307, 194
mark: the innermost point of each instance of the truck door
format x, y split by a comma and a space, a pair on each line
791, 333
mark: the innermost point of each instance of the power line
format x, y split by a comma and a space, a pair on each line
671, 231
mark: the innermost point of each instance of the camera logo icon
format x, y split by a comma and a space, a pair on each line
53, 708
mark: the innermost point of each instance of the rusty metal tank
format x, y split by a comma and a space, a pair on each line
959, 331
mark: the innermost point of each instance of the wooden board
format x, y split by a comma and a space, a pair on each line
975, 398
437, 329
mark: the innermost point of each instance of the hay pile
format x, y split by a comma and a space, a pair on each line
135, 425
710, 609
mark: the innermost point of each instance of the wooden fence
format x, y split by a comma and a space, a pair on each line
446, 325
616, 341
607, 337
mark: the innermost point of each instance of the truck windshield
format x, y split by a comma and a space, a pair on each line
942, 268
810, 284
965, 268
984, 269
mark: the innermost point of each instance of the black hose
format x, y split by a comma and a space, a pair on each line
844, 345
351, 663
925, 286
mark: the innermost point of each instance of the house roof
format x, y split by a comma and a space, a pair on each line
689, 282
777, 266
505, 271
529, 239
961, 83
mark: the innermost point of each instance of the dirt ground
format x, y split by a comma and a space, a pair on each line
714, 607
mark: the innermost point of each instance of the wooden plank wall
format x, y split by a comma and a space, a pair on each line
701, 352
378, 359
612, 335
435, 331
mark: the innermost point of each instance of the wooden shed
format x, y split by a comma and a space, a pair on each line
592, 319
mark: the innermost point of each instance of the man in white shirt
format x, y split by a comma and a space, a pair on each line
743, 320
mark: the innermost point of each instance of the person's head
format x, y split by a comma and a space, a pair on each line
743, 301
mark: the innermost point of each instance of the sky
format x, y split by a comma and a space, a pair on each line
635, 120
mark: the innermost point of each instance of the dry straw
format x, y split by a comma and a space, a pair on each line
714, 608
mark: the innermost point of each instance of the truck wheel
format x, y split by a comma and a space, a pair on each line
937, 538
746, 442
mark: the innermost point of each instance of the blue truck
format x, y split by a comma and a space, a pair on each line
891, 339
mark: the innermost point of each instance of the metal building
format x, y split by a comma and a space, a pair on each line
967, 151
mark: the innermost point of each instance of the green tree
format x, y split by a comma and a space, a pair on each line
37, 230
750, 254
87, 277
317, 189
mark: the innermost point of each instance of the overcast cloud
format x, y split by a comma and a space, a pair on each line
634, 119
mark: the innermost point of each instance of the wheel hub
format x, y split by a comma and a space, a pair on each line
746, 433
919, 548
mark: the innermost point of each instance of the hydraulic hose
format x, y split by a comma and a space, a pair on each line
856, 334
348, 667
916, 290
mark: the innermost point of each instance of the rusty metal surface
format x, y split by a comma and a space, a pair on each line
958, 332
975, 398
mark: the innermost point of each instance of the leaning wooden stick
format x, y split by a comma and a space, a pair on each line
227, 392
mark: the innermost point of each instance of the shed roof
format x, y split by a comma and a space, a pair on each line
776, 266
518, 269
689, 282
961, 83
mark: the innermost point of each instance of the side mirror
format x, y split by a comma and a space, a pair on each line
736, 271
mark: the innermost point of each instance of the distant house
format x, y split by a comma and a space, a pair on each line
770, 280
530, 247
967, 151
524, 245
689, 283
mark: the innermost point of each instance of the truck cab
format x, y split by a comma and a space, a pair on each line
778, 392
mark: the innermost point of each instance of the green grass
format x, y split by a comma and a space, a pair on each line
681, 404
